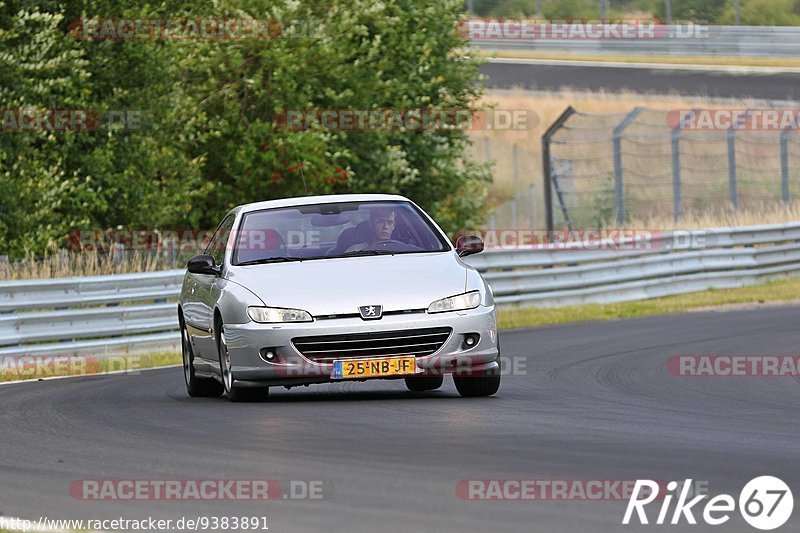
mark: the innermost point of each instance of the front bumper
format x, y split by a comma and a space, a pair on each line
246, 341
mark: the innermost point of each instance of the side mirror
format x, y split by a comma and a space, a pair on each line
203, 264
468, 245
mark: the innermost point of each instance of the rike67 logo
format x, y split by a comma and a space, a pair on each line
765, 503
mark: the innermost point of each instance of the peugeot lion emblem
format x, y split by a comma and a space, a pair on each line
371, 312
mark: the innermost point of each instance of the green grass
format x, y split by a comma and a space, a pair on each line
785, 290
724, 61
22, 369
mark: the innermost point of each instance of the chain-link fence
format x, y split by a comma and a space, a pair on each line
649, 165
517, 187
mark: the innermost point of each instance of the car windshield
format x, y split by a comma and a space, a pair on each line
325, 231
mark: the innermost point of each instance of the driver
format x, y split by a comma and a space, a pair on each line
381, 224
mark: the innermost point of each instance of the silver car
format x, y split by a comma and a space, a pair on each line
331, 288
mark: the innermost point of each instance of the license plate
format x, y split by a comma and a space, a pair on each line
371, 368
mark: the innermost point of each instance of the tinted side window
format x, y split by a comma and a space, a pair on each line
220, 239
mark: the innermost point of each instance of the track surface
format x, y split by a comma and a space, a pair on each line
783, 86
594, 402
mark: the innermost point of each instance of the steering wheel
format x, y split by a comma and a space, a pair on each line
403, 246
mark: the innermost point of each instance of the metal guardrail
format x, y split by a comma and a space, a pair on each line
667, 264
136, 313
101, 315
754, 41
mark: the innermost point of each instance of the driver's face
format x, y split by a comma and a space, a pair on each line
383, 226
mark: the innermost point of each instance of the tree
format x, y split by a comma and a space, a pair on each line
210, 137
703, 11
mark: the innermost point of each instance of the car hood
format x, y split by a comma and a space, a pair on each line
341, 286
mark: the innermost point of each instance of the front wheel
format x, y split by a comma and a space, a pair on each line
424, 383
195, 387
477, 386
469, 386
234, 393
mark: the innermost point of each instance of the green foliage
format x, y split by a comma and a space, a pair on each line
764, 13
604, 203
208, 137
704, 11
567, 9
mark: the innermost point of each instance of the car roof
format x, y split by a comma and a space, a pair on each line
321, 199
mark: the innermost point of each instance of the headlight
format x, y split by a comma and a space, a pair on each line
460, 302
272, 315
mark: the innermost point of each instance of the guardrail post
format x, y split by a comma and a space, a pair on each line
734, 193
515, 200
785, 164
676, 174
547, 174
619, 190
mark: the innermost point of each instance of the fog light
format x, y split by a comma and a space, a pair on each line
269, 355
470, 340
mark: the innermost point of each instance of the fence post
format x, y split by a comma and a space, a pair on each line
515, 200
532, 197
785, 164
732, 168
676, 174
487, 149
619, 190
547, 175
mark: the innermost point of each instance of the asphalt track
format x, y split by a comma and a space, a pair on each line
587, 402
767, 86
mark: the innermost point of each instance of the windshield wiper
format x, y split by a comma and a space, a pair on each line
266, 260
356, 253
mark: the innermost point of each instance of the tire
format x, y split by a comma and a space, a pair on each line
256, 394
195, 387
477, 386
424, 383
234, 393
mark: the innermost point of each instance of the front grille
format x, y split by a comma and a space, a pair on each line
356, 315
416, 342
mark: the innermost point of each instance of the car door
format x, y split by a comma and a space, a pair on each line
206, 292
